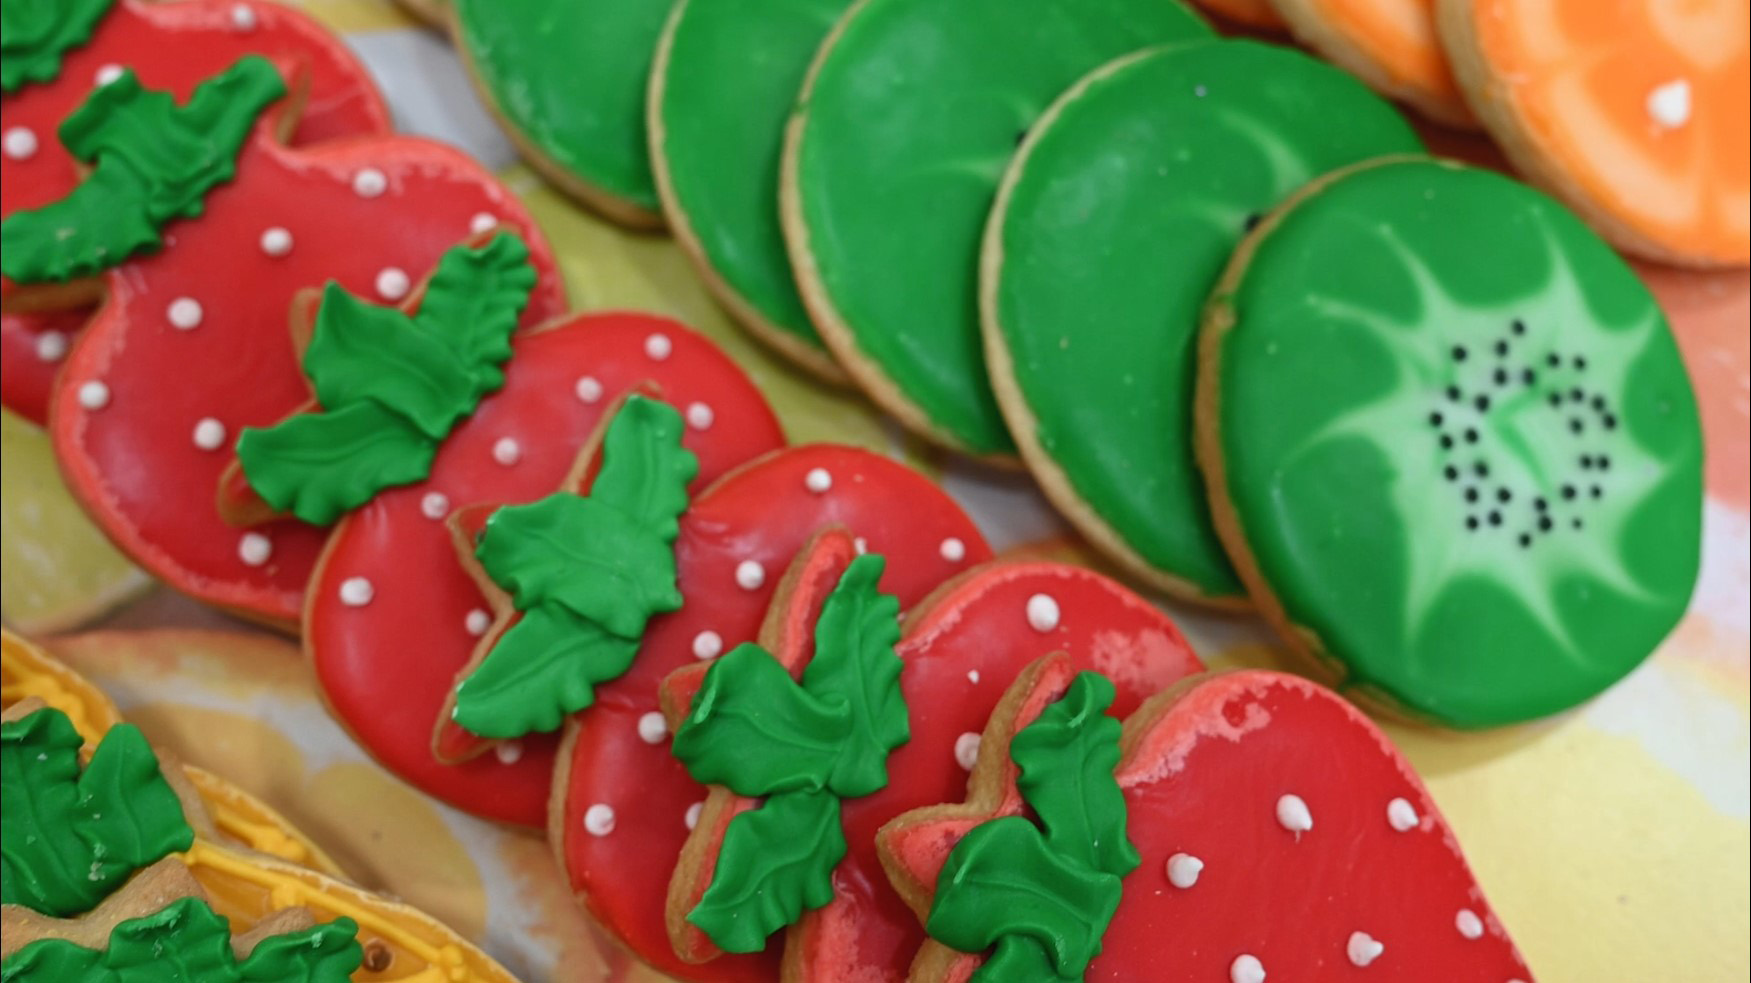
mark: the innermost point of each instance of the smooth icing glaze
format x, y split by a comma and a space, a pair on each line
911, 111
1390, 44
1634, 113
1201, 770
1127, 199
717, 132
1452, 443
128, 457
389, 693
173, 47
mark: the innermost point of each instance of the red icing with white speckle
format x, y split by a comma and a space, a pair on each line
386, 654
172, 46
131, 456
1368, 883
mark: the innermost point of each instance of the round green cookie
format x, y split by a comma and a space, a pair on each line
1450, 443
912, 110
1111, 226
568, 81
726, 78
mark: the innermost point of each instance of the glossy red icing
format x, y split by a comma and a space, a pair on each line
1203, 776
170, 46
387, 666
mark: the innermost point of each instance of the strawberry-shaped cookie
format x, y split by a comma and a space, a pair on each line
1255, 825
192, 344
58, 51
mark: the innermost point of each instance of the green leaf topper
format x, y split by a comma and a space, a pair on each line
1042, 901
392, 386
186, 941
804, 747
152, 161
34, 34
587, 573
68, 839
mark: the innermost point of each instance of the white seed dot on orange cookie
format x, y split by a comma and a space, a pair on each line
967, 750
356, 592
93, 395
588, 390
1402, 815
1246, 969
392, 284
370, 183
692, 816
507, 451
818, 480
107, 74
184, 313
700, 416
20, 142
243, 18
1669, 104
1042, 612
509, 752
482, 222
750, 575
276, 241
952, 550
707, 645
1469, 924
51, 346
254, 549
1293, 814
1363, 948
658, 347
599, 819
1183, 870
652, 728
477, 622
434, 505
209, 434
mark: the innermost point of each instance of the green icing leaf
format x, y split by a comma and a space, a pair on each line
153, 161
753, 729
1067, 756
645, 470
552, 652
776, 861
326, 953
34, 34
854, 663
391, 386
68, 838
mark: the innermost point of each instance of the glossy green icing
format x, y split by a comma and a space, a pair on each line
731, 79
570, 77
914, 112
855, 664
1459, 442
1123, 211
391, 385
775, 863
34, 34
70, 837
587, 572
747, 702
153, 161
187, 941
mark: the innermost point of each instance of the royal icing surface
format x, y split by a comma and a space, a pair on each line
1475, 480
1390, 44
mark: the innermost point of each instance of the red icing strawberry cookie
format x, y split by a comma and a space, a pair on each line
1255, 824
395, 610
171, 46
180, 358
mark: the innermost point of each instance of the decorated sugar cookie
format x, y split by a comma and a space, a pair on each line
58, 52
716, 134
179, 361
1468, 480
889, 170
568, 83
1249, 13
1231, 790
1632, 113
1390, 44
1126, 199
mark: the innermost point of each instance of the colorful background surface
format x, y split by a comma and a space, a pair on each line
1614, 841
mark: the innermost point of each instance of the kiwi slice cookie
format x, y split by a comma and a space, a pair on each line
726, 76
1450, 443
912, 110
1111, 227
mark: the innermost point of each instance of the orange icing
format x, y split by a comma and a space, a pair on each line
1398, 38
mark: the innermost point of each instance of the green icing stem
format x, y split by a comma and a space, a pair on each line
915, 109
1113, 225
34, 34
1457, 440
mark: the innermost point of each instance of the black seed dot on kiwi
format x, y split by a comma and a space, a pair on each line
1576, 395
1568, 491
1603, 462
1253, 220
1501, 377
1482, 403
1544, 524
1495, 518
1504, 496
1586, 462
1454, 394
1471, 522
1596, 491
1518, 327
1609, 422
1501, 349
1576, 523
1021, 135
1471, 494
1580, 361
1525, 540
1575, 425
1540, 504
1451, 472
1552, 360
1528, 376
1459, 353
1481, 469
1435, 418
1446, 442
1556, 400
1470, 435
1599, 403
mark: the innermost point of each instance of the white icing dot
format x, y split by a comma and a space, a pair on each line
370, 182
477, 622
589, 389
209, 434
254, 549
700, 416
599, 819
861, 545
1402, 815
692, 817
1200, 91
1468, 923
707, 645
953, 550
356, 592
1183, 870
184, 313
434, 505
658, 347
51, 346
1042, 612
1669, 104
507, 451
967, 750
1363, 948
392, 284
818, 480
750, 575
276, 241
482, 222
1246, 969
108, 73
242, 18
652, 728
94, 395
509, 752
973, 676
1293, 814
20, 142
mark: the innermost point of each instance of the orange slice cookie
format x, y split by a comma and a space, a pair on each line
1390, 44
1633, 113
